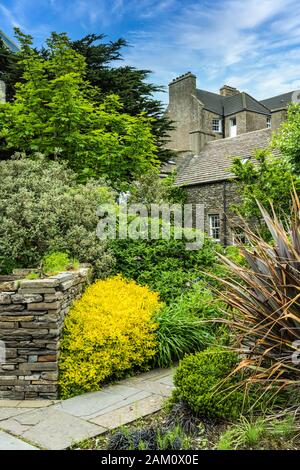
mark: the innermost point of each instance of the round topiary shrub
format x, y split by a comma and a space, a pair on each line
200, 382
108, 332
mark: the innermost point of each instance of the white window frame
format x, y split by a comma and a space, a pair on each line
215, 226
217, 125
269, 122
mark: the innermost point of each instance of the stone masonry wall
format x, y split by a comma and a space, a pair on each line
32, 315
217, 199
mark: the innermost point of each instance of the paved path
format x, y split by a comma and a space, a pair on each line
56, 425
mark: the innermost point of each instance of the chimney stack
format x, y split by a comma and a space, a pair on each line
182, 86
227, 90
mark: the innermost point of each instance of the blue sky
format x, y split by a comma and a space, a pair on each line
251, 44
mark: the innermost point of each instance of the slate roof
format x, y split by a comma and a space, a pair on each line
227, 105
279, 101
214, 162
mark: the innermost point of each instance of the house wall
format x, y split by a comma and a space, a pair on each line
247, 121
217, 199
32, 316
193, 124
278, 117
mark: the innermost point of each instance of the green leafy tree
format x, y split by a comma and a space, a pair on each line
150, 188
136, 92
268, 179
287, 139
55, 112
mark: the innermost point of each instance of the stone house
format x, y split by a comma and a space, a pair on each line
211, 129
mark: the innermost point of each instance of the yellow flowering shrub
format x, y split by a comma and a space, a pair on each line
109, 331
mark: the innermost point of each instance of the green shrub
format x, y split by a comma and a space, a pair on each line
258, 433
184, 325
43, 209
56, 262
108, 332
200, 382
166, 266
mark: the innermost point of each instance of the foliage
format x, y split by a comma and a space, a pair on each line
257, 433
200, 381
264, 297
108, 332
268, 179
165, 265
150, 188
55, 112
43, 210
150, 438
103, 71
185, 327
287, 139
56, 262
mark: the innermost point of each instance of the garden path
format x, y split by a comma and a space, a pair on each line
56, 425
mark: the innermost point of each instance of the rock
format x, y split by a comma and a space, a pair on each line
5, 298
26, 298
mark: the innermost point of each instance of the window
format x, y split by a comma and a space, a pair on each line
269, 122
217, 125
245, 160
214, 226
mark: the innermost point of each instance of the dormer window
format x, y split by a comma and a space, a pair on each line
217, 125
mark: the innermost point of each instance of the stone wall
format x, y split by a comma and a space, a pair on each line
32, 315
247, 121
217, 199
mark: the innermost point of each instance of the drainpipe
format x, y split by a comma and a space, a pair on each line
223, 123
225, 212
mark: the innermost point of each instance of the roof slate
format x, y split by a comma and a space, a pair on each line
279, 101
214, 162
227, 105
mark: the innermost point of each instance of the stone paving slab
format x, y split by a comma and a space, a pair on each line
93, 404
27, 403
9, 442
129, 413
151, 386
56, 425
51, 429
6, 413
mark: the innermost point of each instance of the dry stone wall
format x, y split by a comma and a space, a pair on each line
32, 315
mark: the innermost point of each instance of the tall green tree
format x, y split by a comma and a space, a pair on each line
287, 139
136, 92
268, 179
55, 112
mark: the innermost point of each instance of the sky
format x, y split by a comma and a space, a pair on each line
253, 45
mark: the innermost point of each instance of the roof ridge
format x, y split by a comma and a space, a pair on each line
238, 137
259, 102
277, 96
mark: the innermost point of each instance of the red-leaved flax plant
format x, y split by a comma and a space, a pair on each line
265, 304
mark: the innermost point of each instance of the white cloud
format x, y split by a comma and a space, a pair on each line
251, 44
243, 43
9, 17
